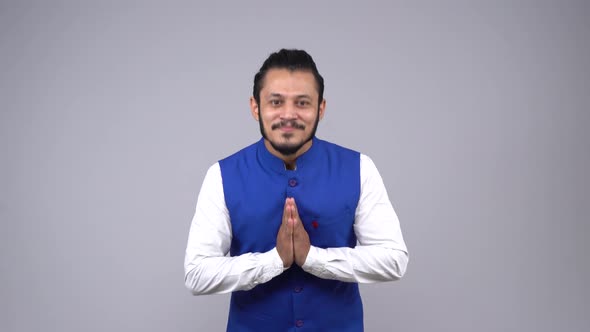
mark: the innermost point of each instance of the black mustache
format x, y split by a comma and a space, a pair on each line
287, 123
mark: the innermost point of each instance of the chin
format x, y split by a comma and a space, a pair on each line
286, 148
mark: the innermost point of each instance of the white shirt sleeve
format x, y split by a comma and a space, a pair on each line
207, 269
381, 253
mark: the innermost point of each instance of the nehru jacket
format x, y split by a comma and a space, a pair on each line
326, 188
354, 233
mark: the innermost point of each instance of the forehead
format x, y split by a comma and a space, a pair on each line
289, 82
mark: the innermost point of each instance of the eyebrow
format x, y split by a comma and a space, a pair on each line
296, 96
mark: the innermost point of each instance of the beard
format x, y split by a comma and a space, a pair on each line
289, 149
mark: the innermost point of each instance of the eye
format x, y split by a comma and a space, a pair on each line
302, 103
275, 102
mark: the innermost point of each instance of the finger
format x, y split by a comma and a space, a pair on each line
292, 220
294, 207
295, 212
286, 212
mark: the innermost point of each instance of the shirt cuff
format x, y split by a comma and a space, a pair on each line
272, 265
315, 263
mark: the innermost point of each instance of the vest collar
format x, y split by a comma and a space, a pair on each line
274, 163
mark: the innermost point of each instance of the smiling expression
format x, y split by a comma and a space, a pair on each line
289, 111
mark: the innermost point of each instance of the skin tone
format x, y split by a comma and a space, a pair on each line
292, 239
288, 113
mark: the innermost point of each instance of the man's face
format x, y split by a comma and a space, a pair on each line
288, 112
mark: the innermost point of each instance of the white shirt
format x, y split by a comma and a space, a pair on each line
380, 255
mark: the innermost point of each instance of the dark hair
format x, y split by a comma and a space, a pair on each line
292, 60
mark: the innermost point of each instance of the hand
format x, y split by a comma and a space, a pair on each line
285, 237
301, 244
292, 240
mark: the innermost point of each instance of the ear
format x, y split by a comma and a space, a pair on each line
322, 108
254, 109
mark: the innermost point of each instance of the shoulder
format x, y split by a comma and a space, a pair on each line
213, 174
367, 162
241, 154
332, 147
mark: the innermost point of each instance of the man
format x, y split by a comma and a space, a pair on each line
303, 220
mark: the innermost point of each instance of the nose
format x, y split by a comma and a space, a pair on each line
288, 112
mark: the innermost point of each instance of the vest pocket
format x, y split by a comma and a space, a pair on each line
330, 232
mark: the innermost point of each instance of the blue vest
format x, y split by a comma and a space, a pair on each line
326, 188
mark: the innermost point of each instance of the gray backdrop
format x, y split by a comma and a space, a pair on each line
475, 112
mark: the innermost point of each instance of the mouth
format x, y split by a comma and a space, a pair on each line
287, 129
288, 126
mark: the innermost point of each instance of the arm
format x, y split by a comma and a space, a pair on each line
381, 253
207, 269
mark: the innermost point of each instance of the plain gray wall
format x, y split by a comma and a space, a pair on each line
475, 112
